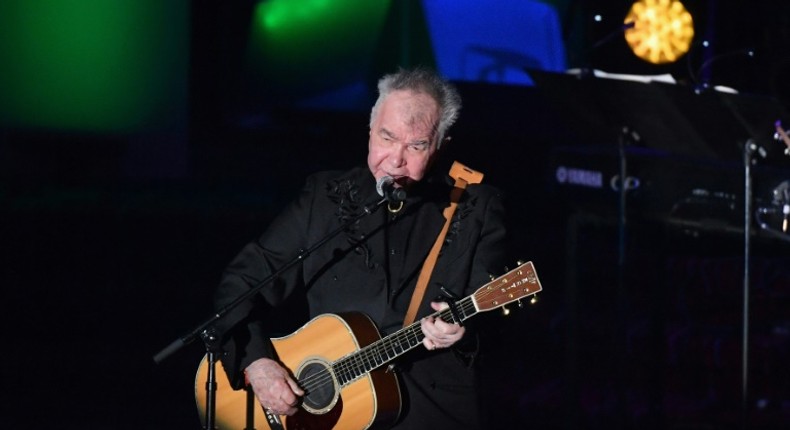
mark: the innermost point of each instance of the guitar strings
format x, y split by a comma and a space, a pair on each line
347, 369
376, 354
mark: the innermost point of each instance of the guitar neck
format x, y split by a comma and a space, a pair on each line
381, 352
518, 283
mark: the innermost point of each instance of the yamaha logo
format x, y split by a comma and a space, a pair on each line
585, 178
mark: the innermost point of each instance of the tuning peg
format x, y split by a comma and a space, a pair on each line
505, 311
533, 300
520, 305
491, 277
520, 262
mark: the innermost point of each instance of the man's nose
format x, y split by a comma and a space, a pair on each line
396, 157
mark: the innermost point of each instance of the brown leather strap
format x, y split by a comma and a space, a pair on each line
463, 176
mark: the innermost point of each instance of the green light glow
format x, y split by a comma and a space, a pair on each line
101, 66
302, 46
278, 13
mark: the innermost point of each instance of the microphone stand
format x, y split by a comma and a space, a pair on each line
208, 333
750, 148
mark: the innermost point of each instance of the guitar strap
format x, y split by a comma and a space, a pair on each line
463, 176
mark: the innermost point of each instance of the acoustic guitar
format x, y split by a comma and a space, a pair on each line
339, 361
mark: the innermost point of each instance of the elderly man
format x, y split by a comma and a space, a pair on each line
372, 268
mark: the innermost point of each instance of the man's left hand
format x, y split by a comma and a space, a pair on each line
440, 334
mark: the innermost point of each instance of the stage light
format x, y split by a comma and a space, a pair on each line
662, 30
109, 67
309, 47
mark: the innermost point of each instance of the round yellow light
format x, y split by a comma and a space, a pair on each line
662, 30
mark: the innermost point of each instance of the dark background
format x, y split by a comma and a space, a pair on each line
111, 250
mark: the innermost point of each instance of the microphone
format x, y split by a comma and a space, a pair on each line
695, 77
386, 188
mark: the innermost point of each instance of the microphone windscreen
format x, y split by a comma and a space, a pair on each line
382, 182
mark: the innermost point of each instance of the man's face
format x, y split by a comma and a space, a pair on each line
402, 140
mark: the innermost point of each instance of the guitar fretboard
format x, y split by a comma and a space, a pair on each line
514, 285
371, 357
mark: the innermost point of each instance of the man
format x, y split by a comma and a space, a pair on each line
373, 265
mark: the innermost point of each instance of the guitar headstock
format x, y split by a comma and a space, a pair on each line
514, 285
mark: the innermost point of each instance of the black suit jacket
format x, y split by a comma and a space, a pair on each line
371, 267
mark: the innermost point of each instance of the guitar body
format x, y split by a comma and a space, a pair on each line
373, 398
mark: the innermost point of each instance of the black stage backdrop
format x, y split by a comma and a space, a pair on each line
640, 325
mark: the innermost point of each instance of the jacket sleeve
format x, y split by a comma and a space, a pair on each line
244, 330
489, 256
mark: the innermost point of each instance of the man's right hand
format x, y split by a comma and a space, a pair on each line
273, 386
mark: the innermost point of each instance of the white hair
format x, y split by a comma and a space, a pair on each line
422, 81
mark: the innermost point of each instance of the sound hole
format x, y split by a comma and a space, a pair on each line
319, 385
